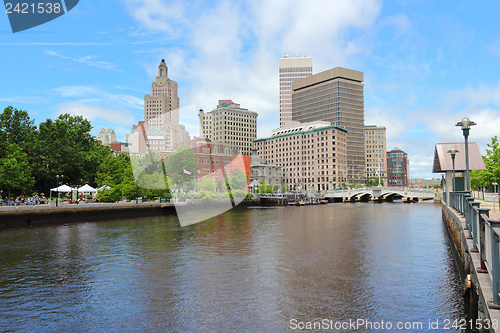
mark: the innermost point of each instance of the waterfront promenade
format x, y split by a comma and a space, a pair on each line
23, 215
494, 214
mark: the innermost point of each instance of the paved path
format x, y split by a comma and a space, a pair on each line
66, 206
489, 204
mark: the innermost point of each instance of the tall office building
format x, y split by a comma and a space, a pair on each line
336, 96
397, 168
160, 131
312, 155
162, 106
291, 69
229, 123
375, 150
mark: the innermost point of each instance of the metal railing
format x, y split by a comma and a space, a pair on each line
485, 234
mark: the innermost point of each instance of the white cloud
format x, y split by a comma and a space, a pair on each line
231, 50
156, 15
86, 60
480, 104
25, 99
87, 94
95, 113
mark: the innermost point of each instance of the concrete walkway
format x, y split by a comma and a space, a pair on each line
65, 205
489, 204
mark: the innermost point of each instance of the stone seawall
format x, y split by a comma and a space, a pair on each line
43, 215
477, 288
455, 225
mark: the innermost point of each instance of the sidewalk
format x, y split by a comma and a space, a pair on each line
489, 204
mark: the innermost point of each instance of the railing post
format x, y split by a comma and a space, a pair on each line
464, 203
495, 258
482, 233
473, 223
468, 211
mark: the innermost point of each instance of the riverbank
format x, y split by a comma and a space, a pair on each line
478, 284
22, 216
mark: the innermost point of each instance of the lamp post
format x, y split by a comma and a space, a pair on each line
465, 124
57, 188
495, 184
453, 152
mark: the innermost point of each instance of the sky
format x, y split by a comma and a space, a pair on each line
426, 64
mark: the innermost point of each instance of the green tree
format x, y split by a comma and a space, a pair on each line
16, 127
15, 171
176, 166
65, 146
492, 162
264, 188
207, 184
238, 180
116, 172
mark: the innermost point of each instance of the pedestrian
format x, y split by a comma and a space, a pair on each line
17, 201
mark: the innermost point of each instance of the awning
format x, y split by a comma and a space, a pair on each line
86, 188
62, 188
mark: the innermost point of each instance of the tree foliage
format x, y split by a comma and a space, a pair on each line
177, 164
66, 147
238, 180
15, 171
16, 127
481, 179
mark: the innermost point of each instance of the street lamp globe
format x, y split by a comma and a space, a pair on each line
465, 124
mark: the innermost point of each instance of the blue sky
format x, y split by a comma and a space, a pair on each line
427, 64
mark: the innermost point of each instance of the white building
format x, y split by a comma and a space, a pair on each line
375, 152
229, 123
291, 69
106, 136
312, 155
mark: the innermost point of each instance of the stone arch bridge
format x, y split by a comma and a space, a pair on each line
381, 194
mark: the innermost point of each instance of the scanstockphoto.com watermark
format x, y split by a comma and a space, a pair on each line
26, 14
381, 325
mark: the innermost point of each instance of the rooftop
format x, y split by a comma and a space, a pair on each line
443, 161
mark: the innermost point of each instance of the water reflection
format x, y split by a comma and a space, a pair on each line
245, 270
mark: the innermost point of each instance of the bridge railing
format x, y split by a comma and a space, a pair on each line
485, 234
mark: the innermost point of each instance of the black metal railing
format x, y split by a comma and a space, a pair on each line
485, 234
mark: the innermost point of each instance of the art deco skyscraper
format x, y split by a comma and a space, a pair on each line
291, 69
162, 106
160, 131
336, 96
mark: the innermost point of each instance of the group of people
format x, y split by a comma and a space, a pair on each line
35, 200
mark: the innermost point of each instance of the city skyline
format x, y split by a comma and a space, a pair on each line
426, 65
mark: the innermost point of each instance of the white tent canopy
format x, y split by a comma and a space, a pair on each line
104, 187
86, 188
62, 188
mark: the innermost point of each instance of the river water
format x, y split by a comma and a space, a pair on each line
247, 270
